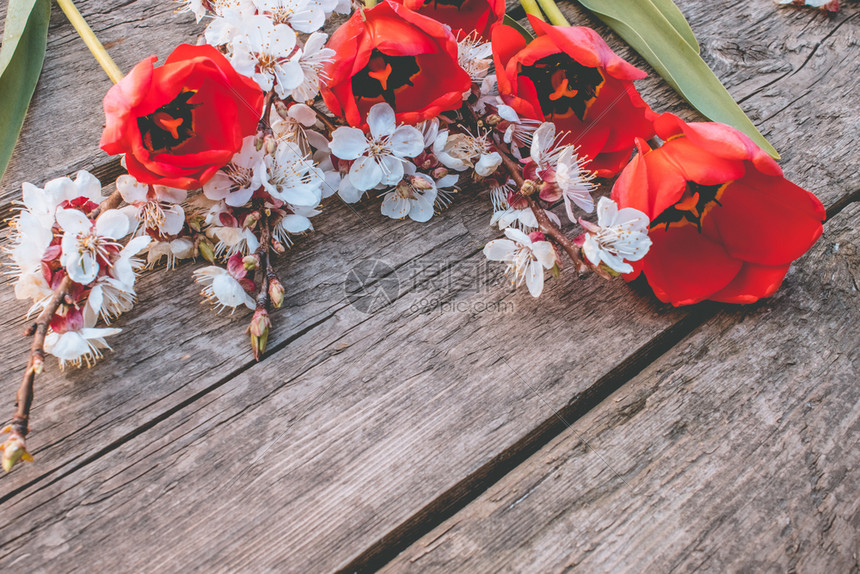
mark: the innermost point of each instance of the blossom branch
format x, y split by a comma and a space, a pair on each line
14, 449
260, 322
324, 119
526, 189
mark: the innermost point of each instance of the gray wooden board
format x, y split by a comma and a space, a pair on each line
180, 363
736, 451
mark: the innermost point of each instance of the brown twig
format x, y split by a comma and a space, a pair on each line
20, 425
260, 322
263, 124
324, 119
110, 202
526, 189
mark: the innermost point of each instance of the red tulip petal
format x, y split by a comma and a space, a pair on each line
766, 219
752, 283
683, 266
698, 164
587, 47
631, 187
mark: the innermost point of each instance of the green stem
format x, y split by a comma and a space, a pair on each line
553, 13
532, 9
88, 36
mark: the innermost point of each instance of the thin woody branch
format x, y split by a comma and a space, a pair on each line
526, 189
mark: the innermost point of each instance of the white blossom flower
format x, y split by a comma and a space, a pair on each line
291, 176
265, 51
506, 216
232, 240
294, 127
43, 203
113, 294
85, 244
312, 58
560, 166
154, 206
445, 190
526, 259
475, 56
460, 152
519, 130
620, 235
489, 95
294, 223
414, 196
303, 15
201, 8
30, 239
236, 182
179, 248
379, 156
574, 181
546, 146
222, 289
78, 347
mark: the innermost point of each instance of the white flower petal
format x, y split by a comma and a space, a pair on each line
380, 120
112, 223
407, 141
365, 173
534, 279
348, 143
500, 250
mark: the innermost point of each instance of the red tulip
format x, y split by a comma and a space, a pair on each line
725, 223
569, 76
179, 123
463, 16
389, 53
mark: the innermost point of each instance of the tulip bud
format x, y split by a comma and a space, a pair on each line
207, 250
276, 292
259, 331
251, 262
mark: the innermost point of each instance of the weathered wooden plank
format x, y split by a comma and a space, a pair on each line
132, 414
736, 451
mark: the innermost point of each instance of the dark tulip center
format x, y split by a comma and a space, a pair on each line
564, 86
383, 76
435, 4
169, 125
693, 205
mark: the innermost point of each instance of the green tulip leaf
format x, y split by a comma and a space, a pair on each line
25, 37
671, 12
647, 30
508, 21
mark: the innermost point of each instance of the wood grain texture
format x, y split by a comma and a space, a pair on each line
356, 425
736, 451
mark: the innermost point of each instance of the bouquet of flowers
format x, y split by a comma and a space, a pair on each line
233, 146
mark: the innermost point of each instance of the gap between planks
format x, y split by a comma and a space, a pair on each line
471, 487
